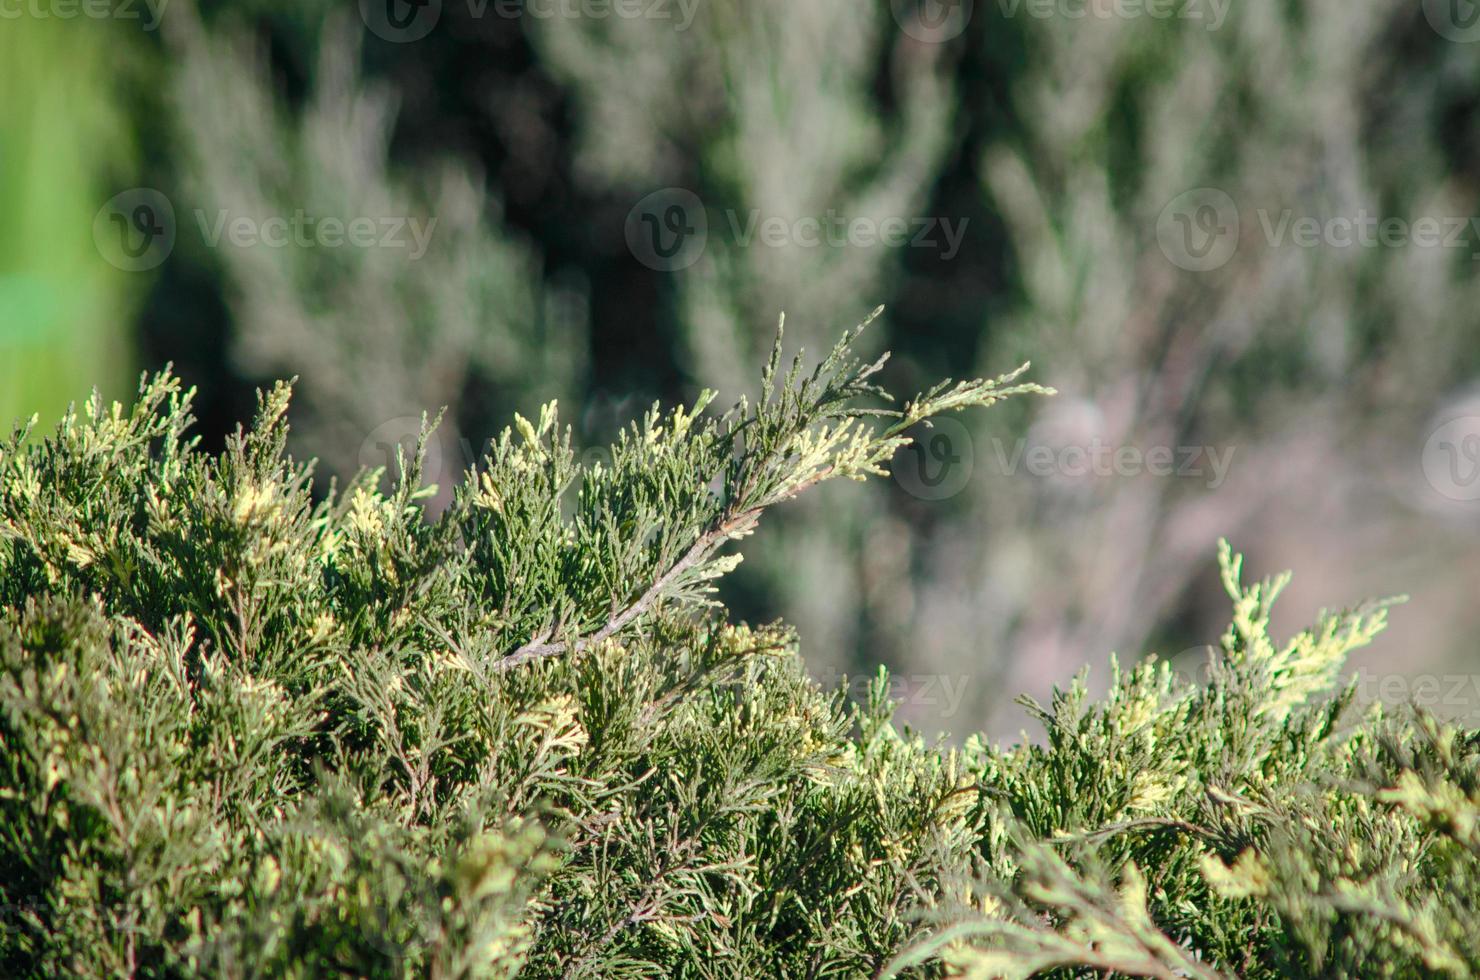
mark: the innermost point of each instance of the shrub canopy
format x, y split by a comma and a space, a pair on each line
250, 731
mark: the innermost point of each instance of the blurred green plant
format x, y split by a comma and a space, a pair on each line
1142, 181
63, 137
440, 301
775, 124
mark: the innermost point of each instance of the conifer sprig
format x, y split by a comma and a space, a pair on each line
719, 475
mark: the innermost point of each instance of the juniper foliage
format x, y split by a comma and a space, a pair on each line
1253, 825
245, 731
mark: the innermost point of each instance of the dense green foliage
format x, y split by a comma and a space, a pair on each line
245, 731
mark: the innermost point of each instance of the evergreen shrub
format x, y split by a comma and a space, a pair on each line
248, 729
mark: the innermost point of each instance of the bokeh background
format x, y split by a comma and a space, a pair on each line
1239, 237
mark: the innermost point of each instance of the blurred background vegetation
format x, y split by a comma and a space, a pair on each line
1043, 157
